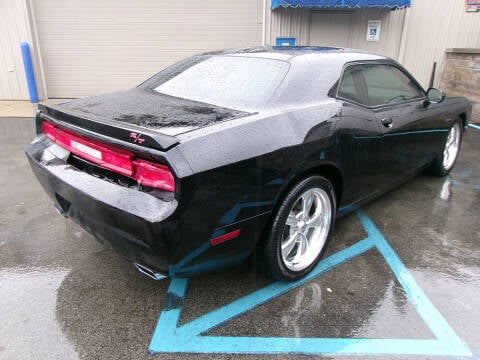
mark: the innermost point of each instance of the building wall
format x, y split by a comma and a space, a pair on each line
287, 22
390, 31
94, 46
294, 22
417, 36
97, 46
14, 28
432, 26
461, 76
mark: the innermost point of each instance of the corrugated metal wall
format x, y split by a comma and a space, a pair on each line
432, 26
13, 29
96, 46
290, 23
390, 31
296, 23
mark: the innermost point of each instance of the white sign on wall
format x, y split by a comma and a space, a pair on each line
373, 30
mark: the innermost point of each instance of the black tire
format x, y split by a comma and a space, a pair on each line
438, 167
322, 195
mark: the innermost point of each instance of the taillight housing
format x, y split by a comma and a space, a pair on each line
120, 161
153, 175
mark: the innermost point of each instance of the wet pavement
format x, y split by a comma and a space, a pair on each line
62, 295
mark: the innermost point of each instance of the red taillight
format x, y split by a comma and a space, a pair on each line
112, 158
153, 175
49, 130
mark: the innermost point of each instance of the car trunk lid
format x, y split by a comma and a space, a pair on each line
159, 116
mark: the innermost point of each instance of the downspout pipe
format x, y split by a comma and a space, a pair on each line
29, 74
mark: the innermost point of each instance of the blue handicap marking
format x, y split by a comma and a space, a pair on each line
168, 337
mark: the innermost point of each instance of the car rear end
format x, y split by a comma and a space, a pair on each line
106, 179
115, 164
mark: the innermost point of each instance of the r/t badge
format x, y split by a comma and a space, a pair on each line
137, 138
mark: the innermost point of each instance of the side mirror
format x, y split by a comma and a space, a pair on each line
435, 96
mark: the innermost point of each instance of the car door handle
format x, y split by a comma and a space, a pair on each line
387, 122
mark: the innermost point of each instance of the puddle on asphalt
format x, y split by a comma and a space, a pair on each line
28, 298
360, 298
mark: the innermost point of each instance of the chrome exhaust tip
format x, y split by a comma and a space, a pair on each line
149, 272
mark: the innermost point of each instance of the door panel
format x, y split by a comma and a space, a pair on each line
386, 128
415, 138
401, 142
359, 154
397, 103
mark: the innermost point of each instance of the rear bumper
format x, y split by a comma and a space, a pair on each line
133, 223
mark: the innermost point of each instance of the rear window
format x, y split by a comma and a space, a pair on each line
234, 82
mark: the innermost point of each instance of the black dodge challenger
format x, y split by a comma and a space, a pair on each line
229, 152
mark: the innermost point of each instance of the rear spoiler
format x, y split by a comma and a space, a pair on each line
103, 129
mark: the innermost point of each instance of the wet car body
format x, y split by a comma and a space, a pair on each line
232, 165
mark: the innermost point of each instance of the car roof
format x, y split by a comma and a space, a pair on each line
287, 53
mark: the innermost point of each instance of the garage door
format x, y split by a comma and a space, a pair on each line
92, 47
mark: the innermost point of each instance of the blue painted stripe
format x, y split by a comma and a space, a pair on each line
418, 132
167, 323
212, 264
401, 133
231, 215
474, 126
252, 300
308, 346
174, 269
436, 322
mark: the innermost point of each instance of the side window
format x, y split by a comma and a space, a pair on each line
347, 89
387, 84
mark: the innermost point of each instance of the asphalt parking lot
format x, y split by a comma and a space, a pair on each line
401, 279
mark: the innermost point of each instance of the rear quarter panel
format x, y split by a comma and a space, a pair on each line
241, 168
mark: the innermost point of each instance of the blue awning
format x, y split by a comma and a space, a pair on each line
390, 4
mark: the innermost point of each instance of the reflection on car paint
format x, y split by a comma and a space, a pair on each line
231, 215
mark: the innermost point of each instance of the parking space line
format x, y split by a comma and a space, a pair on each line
167, 322
474, 126
168, 337
432, 317
248, 302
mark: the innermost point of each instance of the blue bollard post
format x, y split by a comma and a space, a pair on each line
29, 74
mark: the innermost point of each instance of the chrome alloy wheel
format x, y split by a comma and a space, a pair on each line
451, 147
306, 229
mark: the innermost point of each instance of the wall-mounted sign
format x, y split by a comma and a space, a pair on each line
473, 5
373, 30
283, 41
